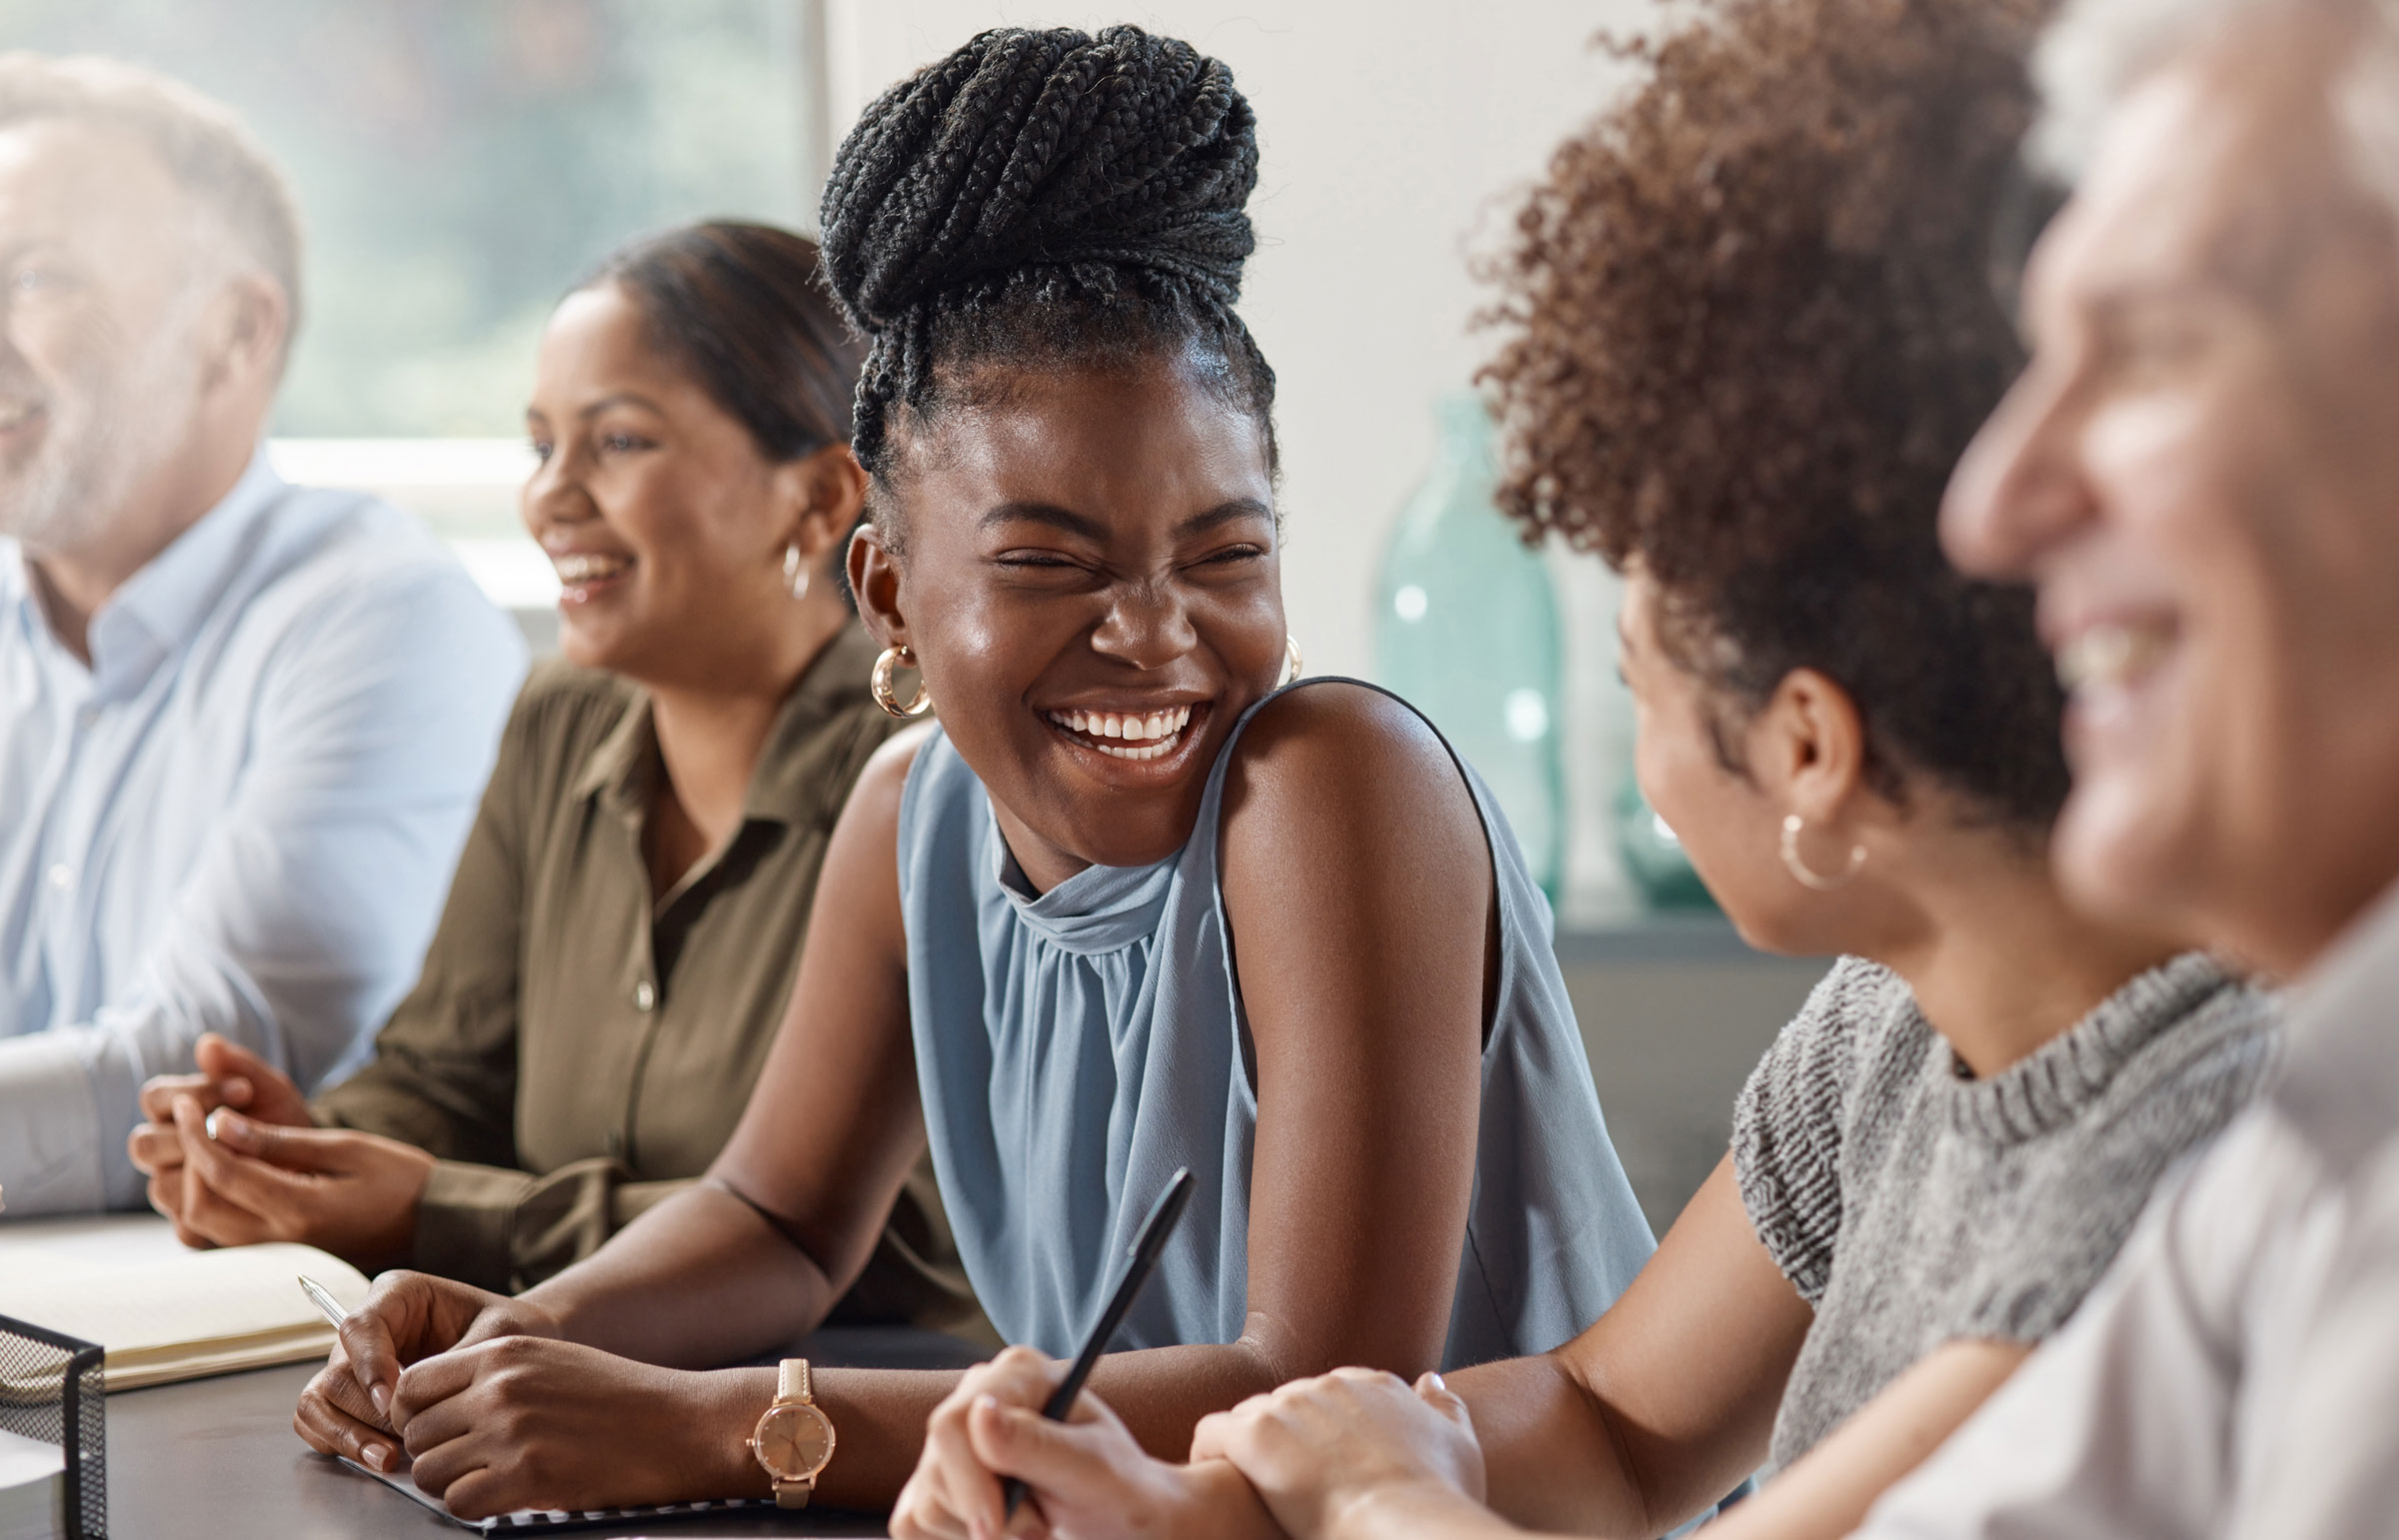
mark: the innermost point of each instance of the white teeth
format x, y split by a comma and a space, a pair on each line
1156, 733
2109, 655
1146, 751
586, 566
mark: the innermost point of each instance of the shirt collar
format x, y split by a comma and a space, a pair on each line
162, 607
2339, 1085
788, 785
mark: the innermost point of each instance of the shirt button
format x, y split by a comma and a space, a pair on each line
643, 996
62, 878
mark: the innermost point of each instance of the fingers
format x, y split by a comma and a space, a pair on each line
1071, 1459
1435, 1392
205, 1209
426, 1383
327, 1420
155, 1147
265, 1190
958, 1495
315, 1150
159, 1092
953, 1494
397, 1323
229, 1064
166, 1195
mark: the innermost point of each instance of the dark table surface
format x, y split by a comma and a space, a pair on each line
218, 1457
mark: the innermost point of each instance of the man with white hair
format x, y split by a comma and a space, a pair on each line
243, 725
2200, 471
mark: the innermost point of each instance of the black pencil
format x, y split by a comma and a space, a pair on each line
1146, 1248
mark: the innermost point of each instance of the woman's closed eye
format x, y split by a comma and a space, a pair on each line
1231, 557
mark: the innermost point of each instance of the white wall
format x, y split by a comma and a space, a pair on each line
1395, 136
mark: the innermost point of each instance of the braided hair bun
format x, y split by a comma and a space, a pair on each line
1037, 195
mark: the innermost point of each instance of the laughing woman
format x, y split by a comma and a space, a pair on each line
1131, 907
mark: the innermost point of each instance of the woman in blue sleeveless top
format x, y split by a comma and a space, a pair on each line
1129, 908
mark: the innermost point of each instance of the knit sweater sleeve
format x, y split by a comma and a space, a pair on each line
1788, 1125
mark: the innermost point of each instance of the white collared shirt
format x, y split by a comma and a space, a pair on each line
240, 818
2237, 1375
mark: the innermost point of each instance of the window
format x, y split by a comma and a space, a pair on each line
458, 164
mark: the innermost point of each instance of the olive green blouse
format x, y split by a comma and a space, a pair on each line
578, 1049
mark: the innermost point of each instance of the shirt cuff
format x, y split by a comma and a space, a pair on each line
50, 1131
465, 1223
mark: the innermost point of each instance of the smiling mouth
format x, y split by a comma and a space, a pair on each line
2114, 656
583, 573
1134, 736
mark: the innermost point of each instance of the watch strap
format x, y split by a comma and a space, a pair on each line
792, 1381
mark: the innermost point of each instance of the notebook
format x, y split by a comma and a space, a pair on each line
32, 1488
164, 1313
527, 1520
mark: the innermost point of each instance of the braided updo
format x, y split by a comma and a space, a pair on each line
1038, 197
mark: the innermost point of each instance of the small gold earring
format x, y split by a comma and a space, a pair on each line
1804, 874
795, 575
1292, 666
880, 684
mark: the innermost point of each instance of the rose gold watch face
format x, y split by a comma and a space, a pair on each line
793, 1442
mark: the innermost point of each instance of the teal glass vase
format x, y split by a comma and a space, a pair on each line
1466, 629
1654, 862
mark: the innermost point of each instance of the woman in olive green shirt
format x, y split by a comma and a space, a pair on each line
620, 938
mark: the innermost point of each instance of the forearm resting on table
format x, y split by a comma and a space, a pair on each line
701, 1279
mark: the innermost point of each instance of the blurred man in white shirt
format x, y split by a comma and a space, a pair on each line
2200, 471
243, 725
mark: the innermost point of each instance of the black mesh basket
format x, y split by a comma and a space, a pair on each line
50, 1390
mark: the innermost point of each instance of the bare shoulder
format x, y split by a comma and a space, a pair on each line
1342, 759
874, 799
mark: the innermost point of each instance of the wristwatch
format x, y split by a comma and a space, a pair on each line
794, 1439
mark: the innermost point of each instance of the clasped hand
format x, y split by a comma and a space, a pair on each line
234, 1158
1317, 1450
492, 1412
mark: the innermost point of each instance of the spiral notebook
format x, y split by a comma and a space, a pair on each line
528, 1519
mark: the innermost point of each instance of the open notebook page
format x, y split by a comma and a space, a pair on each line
164, 1313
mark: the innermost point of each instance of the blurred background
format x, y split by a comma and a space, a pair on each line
460, 162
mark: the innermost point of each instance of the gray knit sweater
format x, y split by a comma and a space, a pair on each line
1914, 1206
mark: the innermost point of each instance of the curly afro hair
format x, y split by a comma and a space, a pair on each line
1041, 197
1749, 322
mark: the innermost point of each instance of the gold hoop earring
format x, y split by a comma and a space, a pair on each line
1807, 875
1292, 666
880, 687
795, 574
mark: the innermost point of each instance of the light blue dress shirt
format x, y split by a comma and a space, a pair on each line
241, 817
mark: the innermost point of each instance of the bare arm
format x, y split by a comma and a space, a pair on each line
1826, 1493
1657, 1410
1665, 1403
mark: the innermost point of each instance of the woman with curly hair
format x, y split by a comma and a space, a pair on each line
1131, 907
1749, 328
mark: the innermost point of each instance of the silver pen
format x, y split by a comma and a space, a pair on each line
322, 1297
